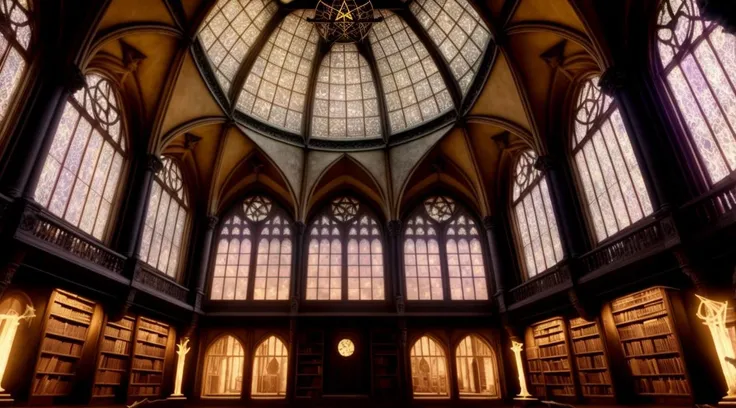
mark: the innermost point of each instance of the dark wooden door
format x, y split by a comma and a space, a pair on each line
347, 375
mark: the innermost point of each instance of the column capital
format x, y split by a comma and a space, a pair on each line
212, 221
73, 78
154, 163
722, 12
612, 80
394, 228
300, 228
544, 163
490, 223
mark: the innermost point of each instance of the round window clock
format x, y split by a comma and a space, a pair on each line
346, 348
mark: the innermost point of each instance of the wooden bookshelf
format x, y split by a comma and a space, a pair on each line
548, 356
310, 363
149, 355
385, 363
650, 343
116, 345
68, 320
591, 360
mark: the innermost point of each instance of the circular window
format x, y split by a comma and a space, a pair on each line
345, 347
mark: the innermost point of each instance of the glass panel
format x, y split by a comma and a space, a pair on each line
270, 365
429, 369
365, 260
414, 89
465, 261
422, 265
223, 368
476, 369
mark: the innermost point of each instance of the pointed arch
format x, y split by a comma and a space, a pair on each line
16, 37
270, 368
477, 368
429, 371
224, 364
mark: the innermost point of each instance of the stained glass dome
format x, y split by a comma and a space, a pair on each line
411, 73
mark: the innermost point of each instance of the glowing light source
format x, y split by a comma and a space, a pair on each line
516, 348
10, 322
181, 350
713, 314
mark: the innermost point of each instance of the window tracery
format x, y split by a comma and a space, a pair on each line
429, 376
699, 68
270, 366
80, 177
609, 173
351, 271
443, 253
536, 226
242, 272
166, 220
15, 40
223, 368
476, 368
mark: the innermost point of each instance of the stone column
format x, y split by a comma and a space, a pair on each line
497, 269
139, 192
297, 266
394, 264
204, 261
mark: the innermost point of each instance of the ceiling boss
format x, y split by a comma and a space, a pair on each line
344, 20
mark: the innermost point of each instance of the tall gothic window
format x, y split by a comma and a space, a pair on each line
166, 220
429, 374
443, 255
699, 67
536, 225
253, 260
223, 368
476, 369
270, 365
615, 193
15, 38
345, 256
81, 174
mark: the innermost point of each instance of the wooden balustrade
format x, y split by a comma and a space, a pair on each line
712, 209
547, 282
160, 283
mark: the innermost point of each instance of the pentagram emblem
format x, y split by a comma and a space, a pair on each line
344, 20
344, 13
345, 208
440, 208
257, 208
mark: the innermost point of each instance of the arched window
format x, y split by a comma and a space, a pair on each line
429, 377
615, 193
699, 67
253, 260
166, 220
270, 365
476, 369
15, 38
80, 178
345, 101
336, 271
536, 227
230, 30
443, 253
223, 368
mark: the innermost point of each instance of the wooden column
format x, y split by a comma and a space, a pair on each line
497, 269
297, 268
204, 261
394, 264
139, 189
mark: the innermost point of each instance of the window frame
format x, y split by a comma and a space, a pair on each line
441, 227
459, 338
246, 363
15, 104
449, 369
256, 344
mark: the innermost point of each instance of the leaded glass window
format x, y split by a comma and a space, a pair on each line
222, 374
230, 30
458, 31
536, 226
477, 373
79, 180
345, 101
443, 253
253, 258
414, 89
352, 271
276, 87
15, 39
608, 171
270, 366
699, 67
429, 374
166, 220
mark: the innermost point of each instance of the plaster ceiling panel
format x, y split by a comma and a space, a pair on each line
205, 151
455, 147
136, 11
500, 96
191, 7
236, 147
190, 99
484, 146
495, 6
316, 163
375, 162
555, 11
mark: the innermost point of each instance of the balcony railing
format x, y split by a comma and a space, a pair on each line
550, 281
47, 229
713, 208
160, 283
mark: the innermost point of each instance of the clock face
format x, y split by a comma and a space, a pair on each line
345, 347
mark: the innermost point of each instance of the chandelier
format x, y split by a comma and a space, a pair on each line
344, 20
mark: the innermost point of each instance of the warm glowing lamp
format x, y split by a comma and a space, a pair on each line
516, 347
181, 350
10, 322
713, 315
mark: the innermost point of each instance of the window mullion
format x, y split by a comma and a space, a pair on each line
255, 246
344, 260
442, 238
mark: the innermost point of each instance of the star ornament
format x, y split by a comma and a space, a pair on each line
344, 20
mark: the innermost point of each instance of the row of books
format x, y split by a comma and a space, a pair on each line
597, 361
58, 346
68, 300
117, 332
537, 379
145, 391
591, 344
149, 350
636, 299
589, 390
671, 365
146, 324
558, 350
648, 346
563, 391
115, 363
647, 328
599, 377
116, 346
644, 311
662, 386
54, 364
56, 326
146, 364
108, 377
152, 337
75, 314
547, 327
146, 378
51, 385
584, 331
104, 391
550, 339
558, 379
555, 365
